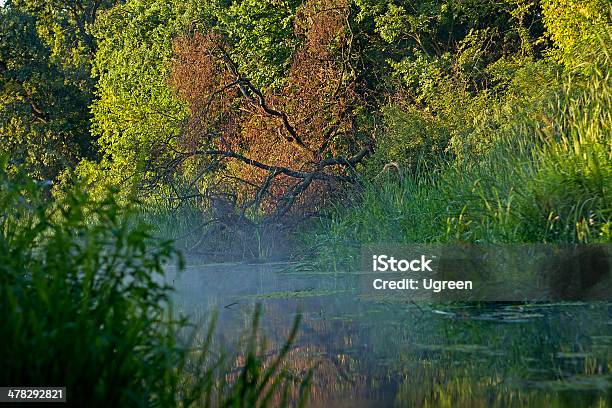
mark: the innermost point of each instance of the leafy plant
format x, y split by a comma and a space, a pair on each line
85, 306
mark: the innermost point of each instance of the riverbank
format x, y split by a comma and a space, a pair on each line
541, 182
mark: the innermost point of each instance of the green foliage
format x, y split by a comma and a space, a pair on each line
433, 26
545, 180
263, 36
518, 102
578, 29
464, 88
66, 28
455, 83
491, 123
82, 300
439, 50
423, 36
46, 87
410, 138
573, 183
136, 113
84, 306
43, 106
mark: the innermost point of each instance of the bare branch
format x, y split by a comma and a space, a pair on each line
261, 100
279, 169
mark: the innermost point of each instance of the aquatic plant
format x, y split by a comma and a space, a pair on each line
84, 305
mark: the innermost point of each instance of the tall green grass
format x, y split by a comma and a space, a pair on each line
83, 305
545, 180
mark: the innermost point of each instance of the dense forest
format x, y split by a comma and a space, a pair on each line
486, 120
265, 129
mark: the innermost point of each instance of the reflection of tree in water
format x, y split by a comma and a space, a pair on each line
386, 354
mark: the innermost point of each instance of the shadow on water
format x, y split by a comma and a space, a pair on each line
383, 353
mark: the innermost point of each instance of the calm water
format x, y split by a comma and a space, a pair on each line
377, 353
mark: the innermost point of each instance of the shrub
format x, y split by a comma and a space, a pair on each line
411, 139
82, 302
546, 177
84, 306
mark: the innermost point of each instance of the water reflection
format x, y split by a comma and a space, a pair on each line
370, 352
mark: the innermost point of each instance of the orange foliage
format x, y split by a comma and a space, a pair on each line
318, 99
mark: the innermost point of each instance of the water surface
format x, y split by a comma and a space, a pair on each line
373, 352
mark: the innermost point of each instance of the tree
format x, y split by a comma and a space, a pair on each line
43, 116
46, 87
578, 29
277, 147
136, 113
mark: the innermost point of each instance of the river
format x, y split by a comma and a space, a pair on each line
372, 352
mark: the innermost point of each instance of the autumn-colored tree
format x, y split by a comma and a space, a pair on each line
278, 147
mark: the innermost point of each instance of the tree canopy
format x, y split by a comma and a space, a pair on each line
279, 102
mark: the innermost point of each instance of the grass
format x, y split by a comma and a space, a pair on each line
542, 181
83, 306
196, 230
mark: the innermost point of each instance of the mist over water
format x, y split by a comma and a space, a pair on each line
384, 352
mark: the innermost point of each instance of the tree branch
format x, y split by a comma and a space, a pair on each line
278, 169
261, 101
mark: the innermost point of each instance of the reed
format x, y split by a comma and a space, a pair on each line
545, 180
84, 306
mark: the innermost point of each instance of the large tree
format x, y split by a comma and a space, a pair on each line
46, 87
278, 145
